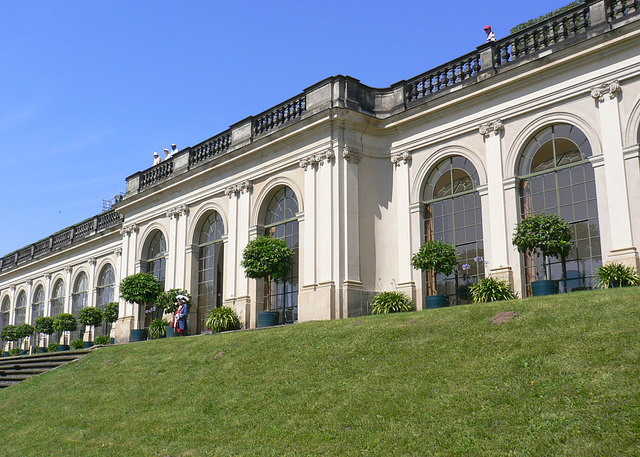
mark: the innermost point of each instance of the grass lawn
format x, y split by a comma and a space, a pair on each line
560, 379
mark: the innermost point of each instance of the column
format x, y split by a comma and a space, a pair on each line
606, 97
402, 196
496, 222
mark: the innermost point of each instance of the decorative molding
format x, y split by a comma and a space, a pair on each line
315, 160
118, 252
494, 127
400, 158
92, 261
351, 156
128, 229
237, 189
12, 287
611, 88
47, 276
68, 269
29, 282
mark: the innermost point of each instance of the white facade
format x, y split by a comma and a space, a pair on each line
356, 178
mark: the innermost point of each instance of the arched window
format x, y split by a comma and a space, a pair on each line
21, 308
105, 288
37, 306
452, 214
79, 300
156, 256
210, 267
281, 222
57, 298
557, 177
4, 311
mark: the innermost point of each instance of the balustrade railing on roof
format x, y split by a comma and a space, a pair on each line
25, 254
213, 146
107, 219
542, 35
443, 77
41, 247
279, 115
621, 8
156, 173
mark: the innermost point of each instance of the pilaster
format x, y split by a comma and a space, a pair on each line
402, 162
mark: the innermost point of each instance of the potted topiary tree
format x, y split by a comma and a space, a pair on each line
44, 326
168, 303
110, 315
141, 289
64, 322
92, 317
270, 259
24, 331
435, 257
9, 333
545, 235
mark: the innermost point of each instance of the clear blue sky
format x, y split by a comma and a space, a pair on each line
89, 89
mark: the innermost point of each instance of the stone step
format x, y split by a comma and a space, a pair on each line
18, 368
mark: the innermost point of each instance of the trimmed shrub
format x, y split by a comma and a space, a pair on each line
436, 256
391, 302
168, 302
223, 319
491, 289
267, 257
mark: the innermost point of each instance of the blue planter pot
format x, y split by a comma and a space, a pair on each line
268, 318
112, 340
170, 331
435, 301
87, 344
544, 287
138, 335
63, 347
40, 350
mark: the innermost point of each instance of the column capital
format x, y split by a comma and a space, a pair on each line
488, 128
317, 159
401, 158
239, 188
612, 89
129, 229
351, 155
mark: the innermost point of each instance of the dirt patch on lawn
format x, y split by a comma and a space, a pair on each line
503, 317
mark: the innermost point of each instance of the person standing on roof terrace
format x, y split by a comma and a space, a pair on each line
490, 35
167, 154
156, 159
174, 149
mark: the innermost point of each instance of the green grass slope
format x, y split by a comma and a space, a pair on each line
561, 379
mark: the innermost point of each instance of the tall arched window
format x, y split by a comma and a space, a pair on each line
452, 214
210, 267
4, 312
156, 256
57, 298
21, 308
281, 222
79, 300
105, 288
37, 306
557, 177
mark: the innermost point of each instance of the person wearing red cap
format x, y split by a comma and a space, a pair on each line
490, 35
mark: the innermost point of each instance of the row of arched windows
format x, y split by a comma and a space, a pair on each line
555, 176
105, 290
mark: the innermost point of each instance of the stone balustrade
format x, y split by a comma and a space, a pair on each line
66, 237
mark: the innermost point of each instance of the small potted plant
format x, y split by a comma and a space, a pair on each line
391, 302
435, 257
157, 329
491, 289
141, 289
223, 319
110, 314
545, 235
102, 340
44, 326
167, 301
64, 322
270, 259
91, 317
616, 274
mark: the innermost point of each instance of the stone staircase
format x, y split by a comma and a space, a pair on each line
16, 369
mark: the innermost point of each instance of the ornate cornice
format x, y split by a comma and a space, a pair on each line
237, 189
29, 282
92, 261
351, 155
400, 158
118, 252
47, 276
129, 229
68, 269
494, 127
315, 160
611, 89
